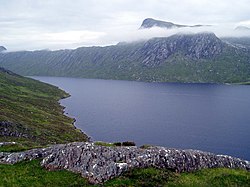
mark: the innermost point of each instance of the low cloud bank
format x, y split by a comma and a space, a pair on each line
109, 36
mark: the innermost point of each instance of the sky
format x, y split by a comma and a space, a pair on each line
60, 24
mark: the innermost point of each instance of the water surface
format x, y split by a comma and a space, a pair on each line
208, 117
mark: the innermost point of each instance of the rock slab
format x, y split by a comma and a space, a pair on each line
100, 163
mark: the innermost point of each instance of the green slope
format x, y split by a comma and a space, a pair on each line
31, 110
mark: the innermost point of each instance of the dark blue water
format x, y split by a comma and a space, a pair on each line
208, 117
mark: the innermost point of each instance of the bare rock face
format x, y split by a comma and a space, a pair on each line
100, 163
196, 46
12, 129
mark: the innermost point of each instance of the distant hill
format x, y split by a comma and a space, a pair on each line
242, 28
150, 22
31, 115
201, 57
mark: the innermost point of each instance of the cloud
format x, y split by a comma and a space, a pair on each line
55, 24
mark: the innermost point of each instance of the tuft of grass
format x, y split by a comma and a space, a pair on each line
104, 144
13, 148
146, 146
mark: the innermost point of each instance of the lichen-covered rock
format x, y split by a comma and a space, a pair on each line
100, 163
12, 158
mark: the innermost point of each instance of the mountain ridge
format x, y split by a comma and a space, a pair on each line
200, 57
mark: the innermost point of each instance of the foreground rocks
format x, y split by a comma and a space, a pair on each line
100, 163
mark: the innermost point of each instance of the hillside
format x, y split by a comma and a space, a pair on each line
201, 57
31, 115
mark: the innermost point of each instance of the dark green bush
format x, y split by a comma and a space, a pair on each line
127, 143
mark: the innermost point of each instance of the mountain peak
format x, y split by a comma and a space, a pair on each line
242, 28
150, 22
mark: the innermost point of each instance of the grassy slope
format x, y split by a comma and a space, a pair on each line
30, 173
34, 107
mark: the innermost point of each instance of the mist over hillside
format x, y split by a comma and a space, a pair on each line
183, 57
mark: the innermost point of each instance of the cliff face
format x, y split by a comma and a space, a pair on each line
99, 163
197, 46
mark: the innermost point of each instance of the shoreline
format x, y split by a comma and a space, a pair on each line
141, 81
73, 118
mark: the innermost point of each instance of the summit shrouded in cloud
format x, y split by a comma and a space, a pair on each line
56, 24
150, 23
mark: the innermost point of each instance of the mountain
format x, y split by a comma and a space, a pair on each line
31, 115
2, 48
201, 57
150, 22
242, 28
240, 42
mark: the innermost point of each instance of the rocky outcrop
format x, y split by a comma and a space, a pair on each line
100, 163
12, 129
195, 46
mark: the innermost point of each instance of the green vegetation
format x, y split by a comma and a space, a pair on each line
13, 148
244, 83
104, 144
34, 116
213, 177
30, 173
206, 177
